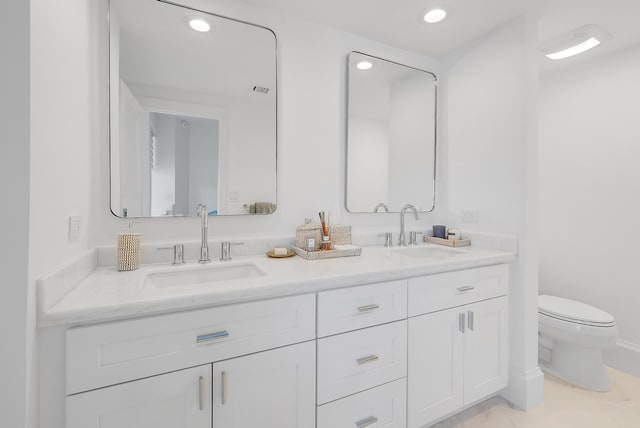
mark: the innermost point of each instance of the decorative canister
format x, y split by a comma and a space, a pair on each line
340, 234
306, 231
129, 250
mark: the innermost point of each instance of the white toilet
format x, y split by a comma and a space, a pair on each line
572, 336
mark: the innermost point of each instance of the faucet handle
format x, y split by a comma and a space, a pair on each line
413, 237
388, 239
178, 253
225, 250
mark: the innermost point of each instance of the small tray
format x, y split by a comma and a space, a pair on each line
448, 242
328, 254
273, 255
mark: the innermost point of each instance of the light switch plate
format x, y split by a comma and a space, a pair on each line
470, 216
74, 227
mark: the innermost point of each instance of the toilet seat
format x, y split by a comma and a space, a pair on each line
574, 312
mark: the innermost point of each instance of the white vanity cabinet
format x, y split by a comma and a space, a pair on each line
456, 356
269, 389
180, 399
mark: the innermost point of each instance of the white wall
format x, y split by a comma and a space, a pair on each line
590, 191
311, 151
64, 108
489, 161
15, 332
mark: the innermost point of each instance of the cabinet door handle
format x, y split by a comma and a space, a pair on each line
201, 392
465, 289
470, 317
367, 359
461, 325
223, 388
368, 308
212, 336
366, 422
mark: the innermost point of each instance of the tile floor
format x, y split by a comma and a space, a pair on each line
565, 406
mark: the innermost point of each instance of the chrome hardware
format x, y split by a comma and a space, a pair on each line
201, 392
178, 253
366, 422
413, 237
461, 322
223, 388
225, 250
204, 226
470, 320
367, 359
402, 240
368, 308
381, 205
388, 239
212, 336
465, 289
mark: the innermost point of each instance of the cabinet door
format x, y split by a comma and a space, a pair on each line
435, 382
485, 354
180, 399
272, 389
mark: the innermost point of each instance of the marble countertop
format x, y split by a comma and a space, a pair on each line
107, 295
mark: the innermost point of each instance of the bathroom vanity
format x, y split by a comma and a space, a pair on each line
394, 338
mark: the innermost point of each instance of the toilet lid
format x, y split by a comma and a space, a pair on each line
572, 311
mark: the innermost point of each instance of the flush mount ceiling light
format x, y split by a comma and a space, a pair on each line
364, 65
434, 15
198, 23
578, 41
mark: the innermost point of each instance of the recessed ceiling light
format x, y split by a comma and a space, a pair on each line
434, 15
364, 65
198, 23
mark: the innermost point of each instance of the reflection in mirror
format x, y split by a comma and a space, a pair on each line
391, 140
192, 112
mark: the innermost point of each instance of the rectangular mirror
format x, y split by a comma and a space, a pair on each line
391, 136
192, 112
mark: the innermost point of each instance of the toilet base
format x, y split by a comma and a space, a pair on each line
577, 365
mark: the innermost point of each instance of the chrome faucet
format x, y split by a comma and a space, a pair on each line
381, 205
402, 241
204, 249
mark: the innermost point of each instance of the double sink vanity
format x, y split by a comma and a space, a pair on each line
398, 337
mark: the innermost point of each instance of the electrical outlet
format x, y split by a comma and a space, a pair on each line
74, 227
470, 216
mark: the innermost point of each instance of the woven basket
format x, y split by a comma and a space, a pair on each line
340, 235
306, 231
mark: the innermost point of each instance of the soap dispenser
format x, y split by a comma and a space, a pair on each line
129, 249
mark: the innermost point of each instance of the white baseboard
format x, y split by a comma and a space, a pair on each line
625, 356
526, 389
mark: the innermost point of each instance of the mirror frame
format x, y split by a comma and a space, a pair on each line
276, 109
435, 133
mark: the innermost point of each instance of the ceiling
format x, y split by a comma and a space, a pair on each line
398, 22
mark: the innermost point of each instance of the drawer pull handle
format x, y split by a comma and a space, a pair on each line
212, 336
461, 325
368, 308
223, 388
470, 319
465, 289
367, 359
201, 392
366, 422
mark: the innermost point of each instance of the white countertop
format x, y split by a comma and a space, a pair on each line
107, 294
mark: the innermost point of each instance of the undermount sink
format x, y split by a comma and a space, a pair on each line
432, 252
202, 275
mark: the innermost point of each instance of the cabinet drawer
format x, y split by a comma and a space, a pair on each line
436, 292
352, 362
354, 308
110, 353
380, 407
